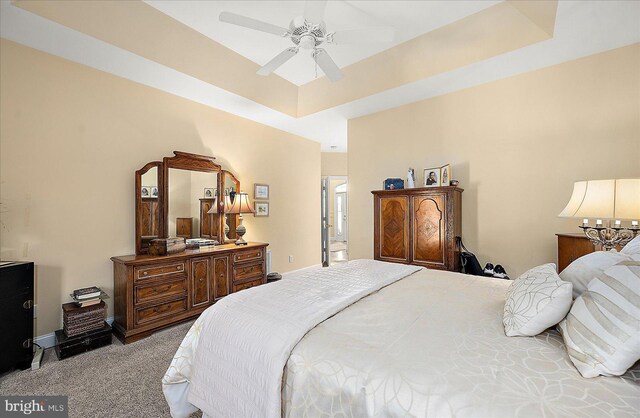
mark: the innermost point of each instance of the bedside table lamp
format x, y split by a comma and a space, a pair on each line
609, 200
241, 204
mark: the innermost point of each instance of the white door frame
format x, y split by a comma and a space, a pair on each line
336, 217
331, 195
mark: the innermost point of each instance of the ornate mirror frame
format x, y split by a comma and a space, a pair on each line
184, 161
141, 248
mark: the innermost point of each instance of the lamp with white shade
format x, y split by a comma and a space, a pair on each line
606, 200
240, 205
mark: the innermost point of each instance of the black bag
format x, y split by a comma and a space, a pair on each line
468, 260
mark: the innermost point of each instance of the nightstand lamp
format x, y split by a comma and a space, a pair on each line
241, 204
609, 200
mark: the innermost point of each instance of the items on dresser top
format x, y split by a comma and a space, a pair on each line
164, 246
196, 243
152, 292
418, 226
67, 346
16, 315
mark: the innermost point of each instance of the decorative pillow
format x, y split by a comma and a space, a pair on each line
585, 268
537, 300
602, 330
632, 247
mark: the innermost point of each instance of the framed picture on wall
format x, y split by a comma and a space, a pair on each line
260, 191
154, 191
445, 175
146, 191
260, 209
432, 177
209, 193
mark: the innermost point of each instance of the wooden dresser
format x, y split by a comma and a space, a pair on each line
573, 246
153, 292
418, 226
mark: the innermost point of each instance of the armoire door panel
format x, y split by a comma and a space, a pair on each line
429, 229
394, 228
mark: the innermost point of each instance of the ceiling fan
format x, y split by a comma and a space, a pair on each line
309, 32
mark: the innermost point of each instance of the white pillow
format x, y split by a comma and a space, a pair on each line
585, 268
632, 247
537, 300
602, 330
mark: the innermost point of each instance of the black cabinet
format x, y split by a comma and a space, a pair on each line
16, 316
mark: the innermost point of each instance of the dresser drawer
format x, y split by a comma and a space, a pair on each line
249, 255
243, 272
171, 286
143, 273
162, 310
246, 285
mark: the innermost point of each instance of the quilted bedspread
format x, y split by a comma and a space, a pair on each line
233, 367
431, 344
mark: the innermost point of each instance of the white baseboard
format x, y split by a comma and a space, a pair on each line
302, 270
49, 340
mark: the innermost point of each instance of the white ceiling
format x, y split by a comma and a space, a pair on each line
408, 18
582, 28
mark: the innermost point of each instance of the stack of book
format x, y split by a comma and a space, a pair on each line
87, 296
86, 313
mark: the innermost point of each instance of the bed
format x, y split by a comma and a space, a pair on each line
409, 341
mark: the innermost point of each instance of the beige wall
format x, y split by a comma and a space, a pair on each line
71, 139
516, 145
334, 164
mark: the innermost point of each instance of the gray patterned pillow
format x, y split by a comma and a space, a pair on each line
537, 300
602, 331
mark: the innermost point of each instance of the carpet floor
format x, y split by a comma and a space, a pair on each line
114, 381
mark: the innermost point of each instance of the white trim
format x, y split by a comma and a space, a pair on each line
49, 340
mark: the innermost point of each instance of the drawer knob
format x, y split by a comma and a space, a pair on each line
178, 268
145, 273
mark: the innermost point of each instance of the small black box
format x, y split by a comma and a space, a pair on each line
87, 341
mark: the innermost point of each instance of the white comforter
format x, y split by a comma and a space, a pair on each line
431, 344
232, 363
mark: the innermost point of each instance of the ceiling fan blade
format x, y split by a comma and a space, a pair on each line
277, 61
314, 11
250, 23
327, 65
361, 36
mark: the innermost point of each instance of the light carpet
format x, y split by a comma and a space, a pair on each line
114, 381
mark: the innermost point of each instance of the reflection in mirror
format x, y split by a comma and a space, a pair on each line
149, 213
192, 194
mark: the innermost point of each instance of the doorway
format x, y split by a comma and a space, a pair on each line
335, 223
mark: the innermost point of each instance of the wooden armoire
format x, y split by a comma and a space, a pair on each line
418, 226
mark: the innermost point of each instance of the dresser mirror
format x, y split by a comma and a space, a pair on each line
184, 196
149, 225
188, 192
